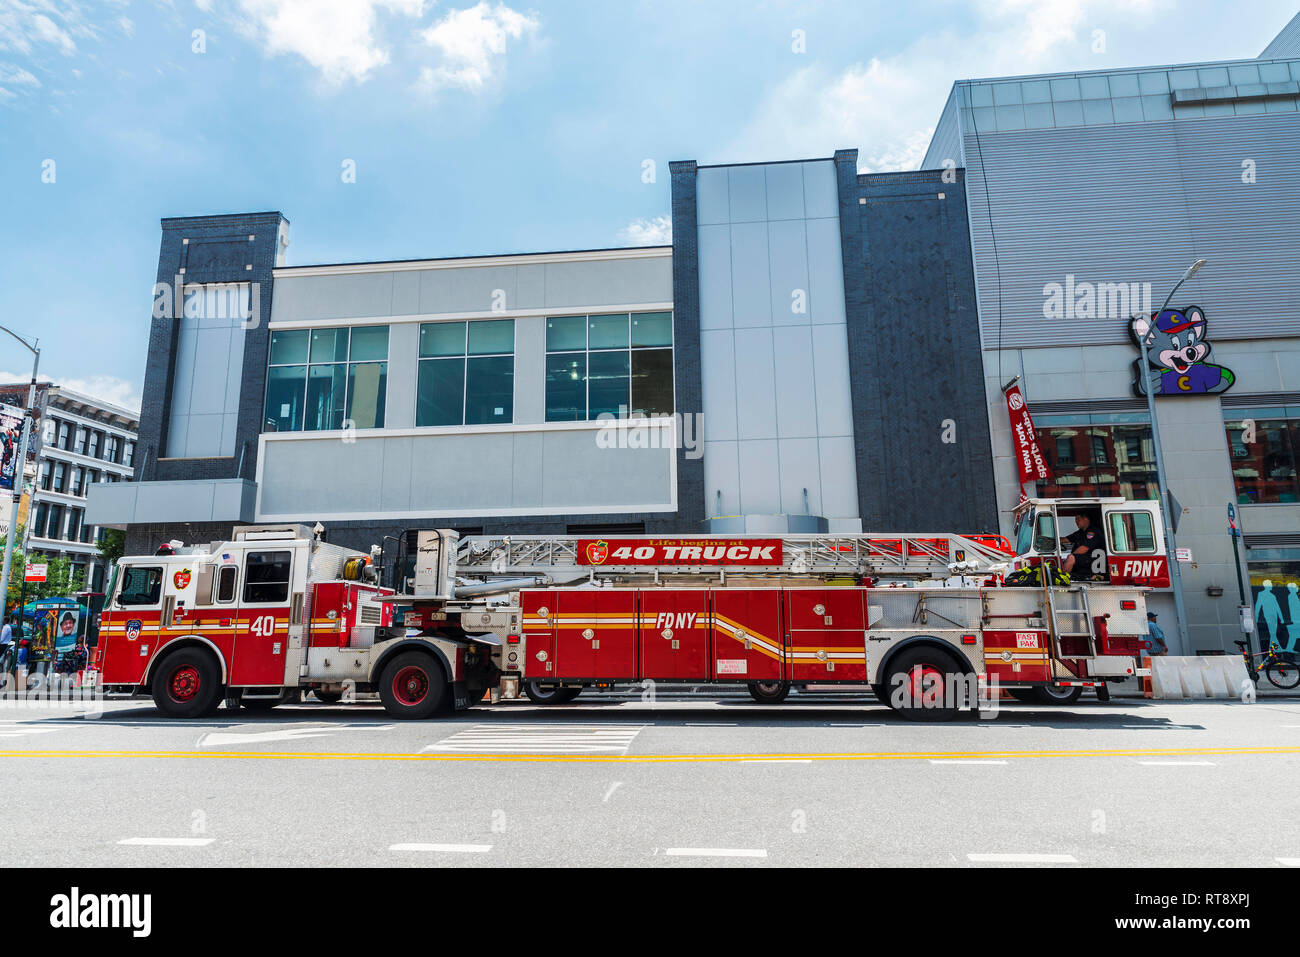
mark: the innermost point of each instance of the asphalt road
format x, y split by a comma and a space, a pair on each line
690, 780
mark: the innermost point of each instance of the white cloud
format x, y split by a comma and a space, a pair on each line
472, 45
648, 232
15, 76
27, 24
106, 388
127, 25
335, 36
874, 105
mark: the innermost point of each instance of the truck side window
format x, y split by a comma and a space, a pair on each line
266, 577
140, 585
227, 578
1132, 532
1045, 536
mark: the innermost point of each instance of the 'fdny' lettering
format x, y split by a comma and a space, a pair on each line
676, 620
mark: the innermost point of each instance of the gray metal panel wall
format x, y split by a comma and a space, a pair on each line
1137, 203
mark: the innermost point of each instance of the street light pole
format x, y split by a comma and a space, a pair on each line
20, 467
1171, 550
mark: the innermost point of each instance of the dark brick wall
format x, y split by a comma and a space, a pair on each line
914, 352
218, 251
686, 342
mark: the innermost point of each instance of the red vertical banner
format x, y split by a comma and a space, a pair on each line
1029, 457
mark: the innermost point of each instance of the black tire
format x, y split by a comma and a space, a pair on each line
328, 697
187, 684
412, 686
934, 672
768, 692
1054, 696
1282, 674
540, 693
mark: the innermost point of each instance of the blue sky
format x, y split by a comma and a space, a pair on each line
488, 128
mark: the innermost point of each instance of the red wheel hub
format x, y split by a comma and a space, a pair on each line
185, 683
410, 685
925, 685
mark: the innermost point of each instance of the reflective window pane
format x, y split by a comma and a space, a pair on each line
284, 398
326, 388
288, 347
607, 383
490, 391
369, 343
652, 382
566, 386
607, 332
440, 392
492, 337
329, 345
566, 332
1264, 459
652, 329
442, 339
367, 383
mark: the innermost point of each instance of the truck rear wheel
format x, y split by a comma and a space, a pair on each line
187, 684
768, 692
412, 686
1047, 694
540, 693
923, 685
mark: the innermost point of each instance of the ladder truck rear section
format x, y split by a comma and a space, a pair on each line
922, 620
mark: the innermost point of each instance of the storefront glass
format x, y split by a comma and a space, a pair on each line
1095, 456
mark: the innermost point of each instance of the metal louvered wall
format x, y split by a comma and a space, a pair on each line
1135, 203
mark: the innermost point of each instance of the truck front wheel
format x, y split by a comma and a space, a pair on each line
768, 692
187, 684
412, 686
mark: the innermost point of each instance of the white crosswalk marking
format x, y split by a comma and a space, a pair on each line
541, 739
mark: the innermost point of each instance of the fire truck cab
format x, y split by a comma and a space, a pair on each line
259, 620
1132, 532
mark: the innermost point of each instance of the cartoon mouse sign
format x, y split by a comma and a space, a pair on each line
1174, 354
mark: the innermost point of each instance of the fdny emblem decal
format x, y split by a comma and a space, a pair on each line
133, 629
597, 552
182, 579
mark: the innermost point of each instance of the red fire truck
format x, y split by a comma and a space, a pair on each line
277, 611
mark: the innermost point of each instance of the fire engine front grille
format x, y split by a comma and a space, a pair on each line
369, 614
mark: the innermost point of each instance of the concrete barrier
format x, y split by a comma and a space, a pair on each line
1177, 678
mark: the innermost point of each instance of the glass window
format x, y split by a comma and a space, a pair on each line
288, 348
329, 345
652, 329
140, 585
1263, 455
607, 332
567, 332
367, 391
566, 387
452, 389
442, 339
129, 455
1094, 87
490, 390
492, 337
614, 364
652, 382
344, 376
1066, 88
1096, 460
266, 576
284, 398
1131, 532
607, 383
369, 343
227, 579
92, 445
440, 392
326, 391
1036, 91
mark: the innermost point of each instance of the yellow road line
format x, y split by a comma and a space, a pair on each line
646, 758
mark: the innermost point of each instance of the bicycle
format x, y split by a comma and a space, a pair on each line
1279, 666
